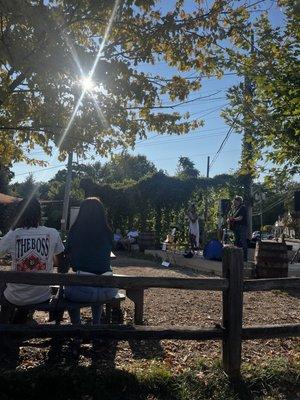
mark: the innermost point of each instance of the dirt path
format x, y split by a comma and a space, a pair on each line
176, 307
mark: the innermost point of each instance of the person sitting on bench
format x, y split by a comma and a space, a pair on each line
118, 240
132, 238
88, 248
33, 248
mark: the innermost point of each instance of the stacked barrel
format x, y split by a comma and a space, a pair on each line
147, 240
271, 259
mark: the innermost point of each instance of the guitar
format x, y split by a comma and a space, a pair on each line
231, 223
234, 214
230, 220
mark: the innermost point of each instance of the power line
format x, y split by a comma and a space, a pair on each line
223, 142
174, 105
41, 170
181, 140
284, 197
195, 77
158, 159
195, 155
211, 110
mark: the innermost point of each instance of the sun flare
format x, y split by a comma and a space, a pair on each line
87, 83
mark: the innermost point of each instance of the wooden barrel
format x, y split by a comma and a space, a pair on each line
271, 259
147, 240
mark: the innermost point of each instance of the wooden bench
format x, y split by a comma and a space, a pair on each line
113, 314
58, 304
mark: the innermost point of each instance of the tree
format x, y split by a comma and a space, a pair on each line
53, 191
5, 176
25, 189
93, 171
125, 167
186, 169
272, 114
157, 201
46, 48
5, 217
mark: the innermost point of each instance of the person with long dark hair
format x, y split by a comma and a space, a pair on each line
88, 247
33, 248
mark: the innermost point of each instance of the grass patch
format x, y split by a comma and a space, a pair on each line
276, 380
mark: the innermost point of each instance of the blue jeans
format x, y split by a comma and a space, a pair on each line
88, 294
240, 234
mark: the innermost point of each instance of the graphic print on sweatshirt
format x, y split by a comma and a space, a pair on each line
32, 252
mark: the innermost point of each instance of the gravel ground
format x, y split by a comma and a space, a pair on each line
167, 307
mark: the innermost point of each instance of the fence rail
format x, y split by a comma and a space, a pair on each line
121, 282
271, 331
232, 332
123, 332
130, 332
255, 285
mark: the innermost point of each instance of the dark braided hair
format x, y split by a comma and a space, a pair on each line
28, 214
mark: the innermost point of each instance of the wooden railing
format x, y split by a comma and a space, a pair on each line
231, 332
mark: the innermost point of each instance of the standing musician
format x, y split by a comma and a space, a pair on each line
194, 233
238, 223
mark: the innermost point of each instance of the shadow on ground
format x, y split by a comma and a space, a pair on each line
279, 380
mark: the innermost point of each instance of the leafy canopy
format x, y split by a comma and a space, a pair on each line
47, 47
272, 113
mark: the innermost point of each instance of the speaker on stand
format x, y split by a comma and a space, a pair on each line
224, 208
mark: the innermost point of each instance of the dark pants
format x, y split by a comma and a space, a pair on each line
240, 234
11, 314
193, 243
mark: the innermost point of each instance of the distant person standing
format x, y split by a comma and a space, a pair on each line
193, 220
238, 221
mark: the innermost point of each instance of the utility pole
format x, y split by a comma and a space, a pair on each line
259, 197
206, 204
207, 168
64, 217
261, 215
247, 153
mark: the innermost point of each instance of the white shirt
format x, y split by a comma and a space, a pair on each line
133, 234
194, 227
32, 250
117, 237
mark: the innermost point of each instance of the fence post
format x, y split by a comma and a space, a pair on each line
232, 269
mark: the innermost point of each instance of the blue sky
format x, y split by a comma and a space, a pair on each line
164, 151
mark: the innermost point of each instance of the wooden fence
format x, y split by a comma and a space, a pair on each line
231, 332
